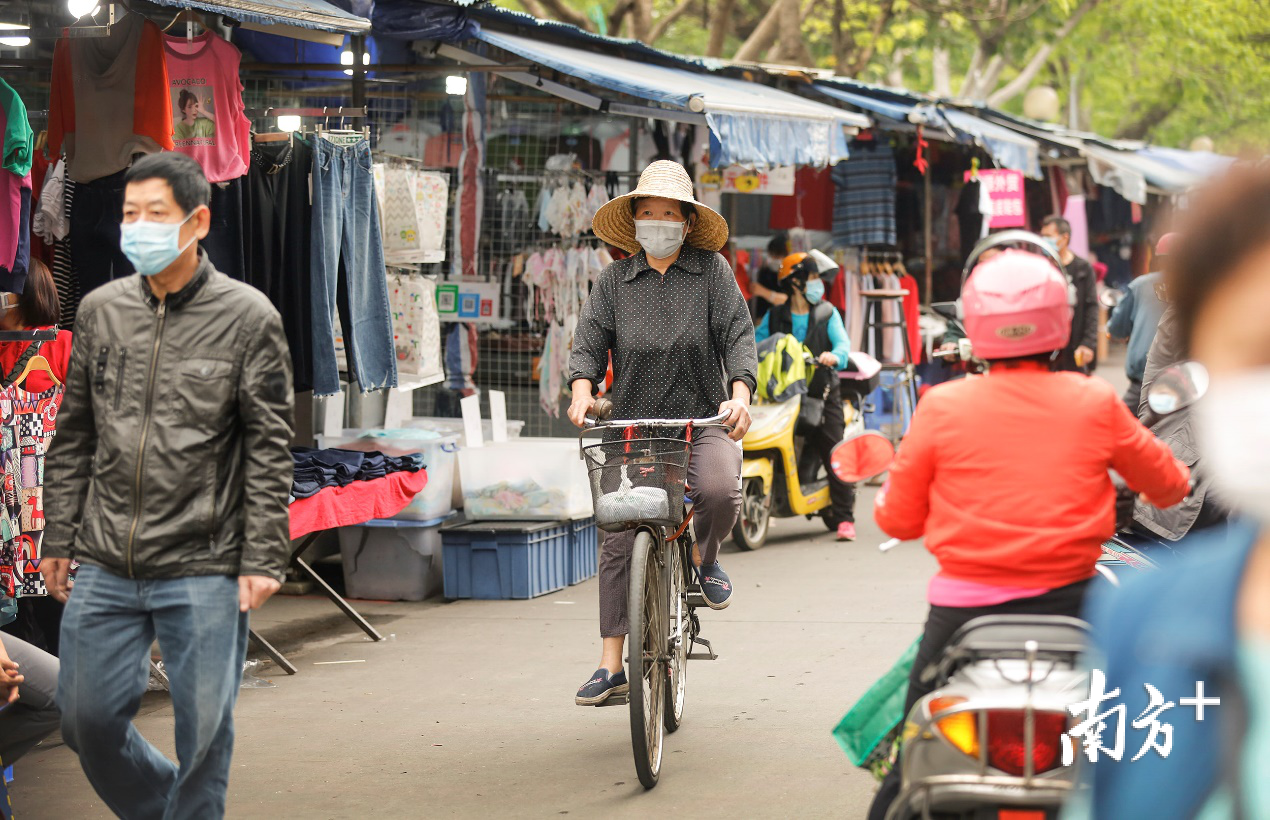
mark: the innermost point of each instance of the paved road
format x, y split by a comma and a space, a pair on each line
468, 710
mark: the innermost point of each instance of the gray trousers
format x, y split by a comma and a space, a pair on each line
714, 481
35, 715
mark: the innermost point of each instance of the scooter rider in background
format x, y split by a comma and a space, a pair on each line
818, 325
1006, 475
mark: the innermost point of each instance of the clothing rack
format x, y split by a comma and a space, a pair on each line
46, 335
351, 112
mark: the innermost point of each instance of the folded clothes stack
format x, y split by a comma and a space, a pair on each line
315, 470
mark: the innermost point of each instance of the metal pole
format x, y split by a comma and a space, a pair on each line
359, 70
929, 237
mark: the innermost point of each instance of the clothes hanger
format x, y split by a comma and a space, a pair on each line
37, 362
190, 18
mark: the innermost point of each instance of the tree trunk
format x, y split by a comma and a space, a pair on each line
618, 17
560, 10
720, 27
642, 19
942, 70
668, 19
763, 36
1153, 116
791, 29
895, 74
1020, 83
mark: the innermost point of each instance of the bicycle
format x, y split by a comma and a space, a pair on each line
640, 484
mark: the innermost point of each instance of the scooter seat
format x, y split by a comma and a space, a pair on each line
994, 637
992, 634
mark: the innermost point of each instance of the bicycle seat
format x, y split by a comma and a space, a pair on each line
1008, 634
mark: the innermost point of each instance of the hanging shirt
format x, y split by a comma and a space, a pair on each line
864, 197
117, 88
17, 150
57, 351
207, 104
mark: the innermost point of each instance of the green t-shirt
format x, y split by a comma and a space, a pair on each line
19, 140
201, 128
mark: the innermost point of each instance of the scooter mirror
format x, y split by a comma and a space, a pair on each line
1177, 387
862, 457
1111, 298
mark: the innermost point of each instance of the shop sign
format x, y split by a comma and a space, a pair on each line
739, 180
468, 301
1009, 209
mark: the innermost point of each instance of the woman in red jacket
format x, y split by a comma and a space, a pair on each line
1006, 475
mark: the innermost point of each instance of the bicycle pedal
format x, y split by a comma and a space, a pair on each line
615, 700
708, 655
694, 596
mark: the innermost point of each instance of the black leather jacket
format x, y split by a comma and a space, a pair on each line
172, 456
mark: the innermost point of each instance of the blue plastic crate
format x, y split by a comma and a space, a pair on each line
584, 550
499, 560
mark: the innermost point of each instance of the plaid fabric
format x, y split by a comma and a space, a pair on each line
864, 196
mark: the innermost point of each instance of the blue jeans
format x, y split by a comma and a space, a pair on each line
346, 228
109, 625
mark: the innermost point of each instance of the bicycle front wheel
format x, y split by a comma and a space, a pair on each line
646, 662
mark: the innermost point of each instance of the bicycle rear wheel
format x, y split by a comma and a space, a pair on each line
646, 662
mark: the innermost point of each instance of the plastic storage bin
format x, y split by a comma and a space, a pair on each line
451, 426
440, 456
392, 560
500, 560
529, 479
584, 550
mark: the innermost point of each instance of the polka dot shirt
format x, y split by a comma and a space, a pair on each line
678, 341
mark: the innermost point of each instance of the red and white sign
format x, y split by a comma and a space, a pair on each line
1009, 207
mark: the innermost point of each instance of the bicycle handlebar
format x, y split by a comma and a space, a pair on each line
712, 421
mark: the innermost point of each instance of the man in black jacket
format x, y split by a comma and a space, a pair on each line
1080, 353
168, 481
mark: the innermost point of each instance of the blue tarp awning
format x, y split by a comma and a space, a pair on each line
1009, 148
314, 14
896, 109
750, 124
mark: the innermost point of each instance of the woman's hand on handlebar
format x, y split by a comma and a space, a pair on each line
582, 402
828, 359
738, 410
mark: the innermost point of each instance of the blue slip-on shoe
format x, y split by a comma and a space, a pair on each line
601, 687
716, 587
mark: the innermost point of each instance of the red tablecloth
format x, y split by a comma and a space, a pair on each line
357, 503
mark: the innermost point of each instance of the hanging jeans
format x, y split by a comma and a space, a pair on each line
346, 238
107, 630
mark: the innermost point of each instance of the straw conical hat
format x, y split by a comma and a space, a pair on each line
615, 224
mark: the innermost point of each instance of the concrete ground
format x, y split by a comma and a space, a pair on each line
467, 710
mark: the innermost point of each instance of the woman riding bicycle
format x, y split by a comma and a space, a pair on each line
1006, 475
818, 325
682, 346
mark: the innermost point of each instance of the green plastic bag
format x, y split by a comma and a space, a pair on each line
869, 732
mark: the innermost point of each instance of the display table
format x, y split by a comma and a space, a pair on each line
336, 507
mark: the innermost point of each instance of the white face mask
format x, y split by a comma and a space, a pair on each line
659, 239
1234, 440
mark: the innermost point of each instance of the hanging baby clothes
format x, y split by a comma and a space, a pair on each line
416, 330
432, 200
394, 188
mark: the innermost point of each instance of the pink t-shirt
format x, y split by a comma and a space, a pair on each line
946, 591
207, 104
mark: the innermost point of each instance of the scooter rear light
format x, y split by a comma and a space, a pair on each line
961, 729
1007, 743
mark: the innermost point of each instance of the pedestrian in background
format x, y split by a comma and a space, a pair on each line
1136, 319
1079, 355
168, 480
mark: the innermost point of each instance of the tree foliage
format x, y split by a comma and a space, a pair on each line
1163, 70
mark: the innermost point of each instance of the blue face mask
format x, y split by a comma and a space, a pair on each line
152, 246
815, 291
1051, 243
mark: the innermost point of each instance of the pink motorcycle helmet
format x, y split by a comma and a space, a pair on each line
1016, 304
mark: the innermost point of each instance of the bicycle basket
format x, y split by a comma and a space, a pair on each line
640, 481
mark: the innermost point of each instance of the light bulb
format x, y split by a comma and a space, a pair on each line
15, 42
78, 8
456, 85
365, 58
346, 58
288, 122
